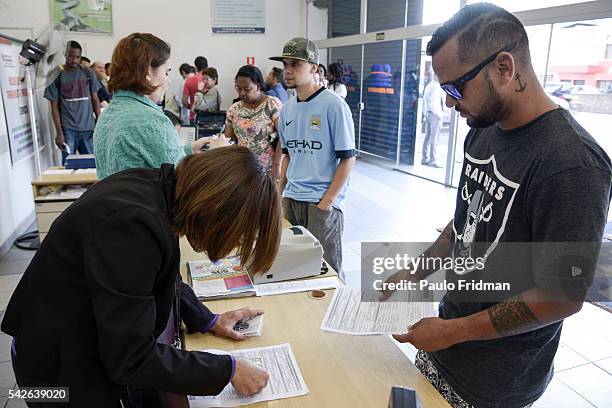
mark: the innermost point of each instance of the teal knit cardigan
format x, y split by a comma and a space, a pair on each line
133, 132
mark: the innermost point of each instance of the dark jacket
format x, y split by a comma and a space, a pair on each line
103, 94
98, 293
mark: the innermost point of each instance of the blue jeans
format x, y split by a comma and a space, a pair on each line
81, 140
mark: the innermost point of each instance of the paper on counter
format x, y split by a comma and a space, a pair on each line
347, 314
285, 378
53, 172
301, 285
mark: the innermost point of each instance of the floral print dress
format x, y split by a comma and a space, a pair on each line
254, 128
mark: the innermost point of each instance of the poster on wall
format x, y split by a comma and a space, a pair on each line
15, 100
239, 16
85, 16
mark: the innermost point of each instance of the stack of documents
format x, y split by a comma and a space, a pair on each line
225, 278
285, 378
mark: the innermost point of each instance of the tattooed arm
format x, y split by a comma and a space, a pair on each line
525, 312
522, 313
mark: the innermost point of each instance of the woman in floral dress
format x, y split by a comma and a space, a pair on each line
253, 120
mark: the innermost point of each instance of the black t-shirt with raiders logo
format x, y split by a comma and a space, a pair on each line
533, 203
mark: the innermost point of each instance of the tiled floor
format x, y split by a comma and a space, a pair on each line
384, 205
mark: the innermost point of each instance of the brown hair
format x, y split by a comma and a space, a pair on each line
212, 73
131, 60
224, 200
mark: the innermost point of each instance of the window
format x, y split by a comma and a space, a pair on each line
578, 60
385, 15
344, 17
350, 59
382, 72
522, 5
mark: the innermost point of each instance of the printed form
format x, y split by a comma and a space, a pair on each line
348, 314
285, 378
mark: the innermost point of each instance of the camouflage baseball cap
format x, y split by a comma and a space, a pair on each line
301, 49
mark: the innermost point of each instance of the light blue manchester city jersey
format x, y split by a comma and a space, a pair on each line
316, 134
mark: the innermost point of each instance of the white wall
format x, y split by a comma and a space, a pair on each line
185, 24
16, 207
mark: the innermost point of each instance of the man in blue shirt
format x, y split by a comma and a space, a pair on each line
317, 138
274, 81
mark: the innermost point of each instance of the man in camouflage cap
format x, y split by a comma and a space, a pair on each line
317, 138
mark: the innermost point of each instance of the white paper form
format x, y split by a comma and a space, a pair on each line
285, 378
302, 285
54, 172
347, 314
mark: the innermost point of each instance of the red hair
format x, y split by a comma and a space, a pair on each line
132, 58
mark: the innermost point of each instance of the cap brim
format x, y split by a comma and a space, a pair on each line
284, 58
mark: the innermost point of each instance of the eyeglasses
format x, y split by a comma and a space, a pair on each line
454, 88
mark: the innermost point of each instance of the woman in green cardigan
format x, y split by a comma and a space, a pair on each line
133, 131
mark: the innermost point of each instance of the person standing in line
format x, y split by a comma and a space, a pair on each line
322, 76
85, 62
107, 69
207, 97
103, 95
335, 76
253, 120
186, 71
274, 82
317, 137
433, 107
191, 85
74, 103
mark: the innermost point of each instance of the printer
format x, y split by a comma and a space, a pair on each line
300, 255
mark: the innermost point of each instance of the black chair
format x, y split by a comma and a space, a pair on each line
209, 123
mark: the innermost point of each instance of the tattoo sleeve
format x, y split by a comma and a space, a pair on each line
512, 316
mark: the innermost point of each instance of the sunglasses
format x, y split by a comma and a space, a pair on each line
454, 88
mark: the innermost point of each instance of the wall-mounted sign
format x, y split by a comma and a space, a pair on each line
15, 101
239, 16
